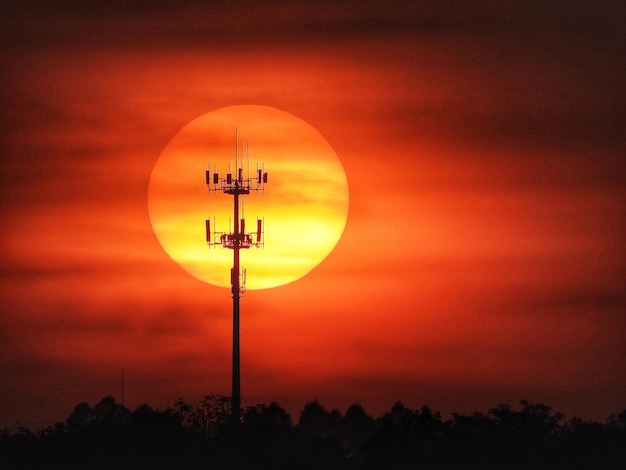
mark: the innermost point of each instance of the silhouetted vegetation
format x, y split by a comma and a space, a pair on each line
202, 436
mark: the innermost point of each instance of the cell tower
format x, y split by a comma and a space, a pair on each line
237, 186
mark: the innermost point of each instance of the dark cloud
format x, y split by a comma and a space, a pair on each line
144, 23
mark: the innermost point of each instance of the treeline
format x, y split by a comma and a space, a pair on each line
203, 436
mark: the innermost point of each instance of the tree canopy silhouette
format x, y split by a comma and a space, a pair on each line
202, 436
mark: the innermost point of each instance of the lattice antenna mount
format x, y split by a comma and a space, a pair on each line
236, 185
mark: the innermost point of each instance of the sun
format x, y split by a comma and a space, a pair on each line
304, 205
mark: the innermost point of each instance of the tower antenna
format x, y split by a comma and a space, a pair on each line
236, 240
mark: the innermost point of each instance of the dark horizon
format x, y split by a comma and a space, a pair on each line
203, 435
447, 415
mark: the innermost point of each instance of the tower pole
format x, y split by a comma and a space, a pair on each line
236, 241
236, 386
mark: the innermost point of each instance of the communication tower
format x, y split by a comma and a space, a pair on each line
236, 185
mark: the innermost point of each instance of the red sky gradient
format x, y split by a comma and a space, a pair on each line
483, 259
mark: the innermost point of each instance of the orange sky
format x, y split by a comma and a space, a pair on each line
483, 258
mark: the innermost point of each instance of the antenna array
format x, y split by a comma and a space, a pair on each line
237, 187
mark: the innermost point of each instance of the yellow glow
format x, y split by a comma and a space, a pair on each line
305, 204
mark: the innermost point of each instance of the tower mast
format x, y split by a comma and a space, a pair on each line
235, 288
239, 239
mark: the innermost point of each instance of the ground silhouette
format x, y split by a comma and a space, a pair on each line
202, 436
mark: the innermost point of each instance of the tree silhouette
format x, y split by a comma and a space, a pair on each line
200, 436
358, 429
81, 419
404, 436
316, 421
264, 419
322, 446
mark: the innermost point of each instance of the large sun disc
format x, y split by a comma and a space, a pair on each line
305, 204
